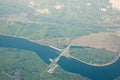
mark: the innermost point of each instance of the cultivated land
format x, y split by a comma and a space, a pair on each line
59, 24
97, 49
107, 40
56, 22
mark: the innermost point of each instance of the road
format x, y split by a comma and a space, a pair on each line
53, 64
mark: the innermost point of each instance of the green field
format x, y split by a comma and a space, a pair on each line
93, 55
74, 19
56, 23
46, 32
78, 10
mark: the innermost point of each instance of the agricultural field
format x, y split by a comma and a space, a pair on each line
53, 20
94, 24
97, 48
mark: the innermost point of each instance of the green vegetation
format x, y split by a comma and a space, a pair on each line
93, 55
20, 64
64, 75
78, 10
73, 19
40, 31
59, 24
44, 31
40, 20
4, 77
16, 64
61, 74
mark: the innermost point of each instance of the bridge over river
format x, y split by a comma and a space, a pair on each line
53, 65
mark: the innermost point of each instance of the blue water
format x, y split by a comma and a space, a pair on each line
109, 72
44, 52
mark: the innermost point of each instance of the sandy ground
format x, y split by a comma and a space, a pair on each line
109, 41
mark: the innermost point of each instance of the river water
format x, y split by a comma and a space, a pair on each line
109, 72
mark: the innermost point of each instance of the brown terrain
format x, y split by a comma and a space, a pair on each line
108, 40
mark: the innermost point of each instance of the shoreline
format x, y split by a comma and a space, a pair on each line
32, 41
55, 48
99, 65
23, 49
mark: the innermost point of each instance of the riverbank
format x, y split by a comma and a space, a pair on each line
102, 40
99, 65
55, 48
28, 40
33, 41
68, 53
68, 64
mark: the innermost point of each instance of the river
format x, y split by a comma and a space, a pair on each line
109, 72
